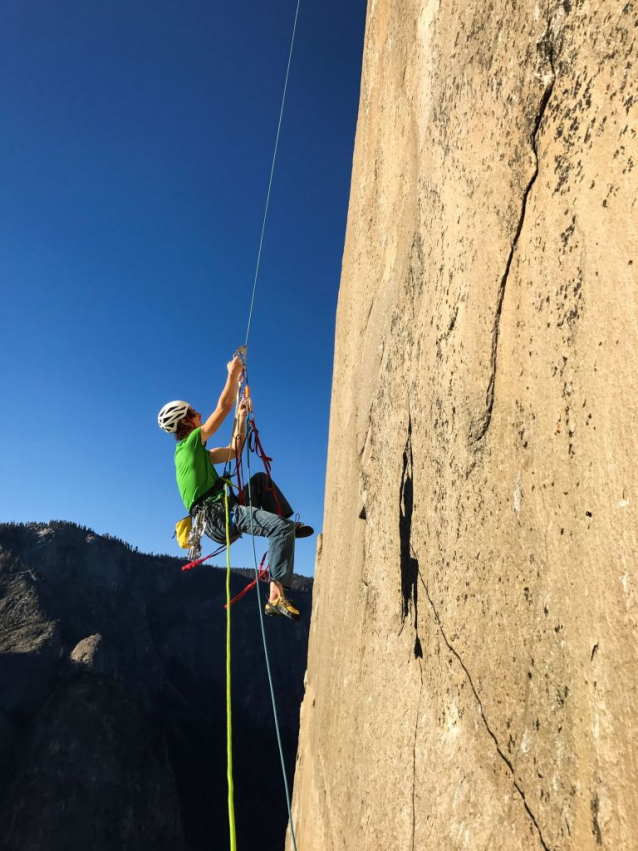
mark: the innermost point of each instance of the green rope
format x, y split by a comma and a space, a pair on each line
229, 710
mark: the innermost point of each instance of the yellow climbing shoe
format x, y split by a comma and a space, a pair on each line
282, 606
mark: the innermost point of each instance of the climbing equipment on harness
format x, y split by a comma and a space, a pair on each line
197, 533
190, 530
183, 531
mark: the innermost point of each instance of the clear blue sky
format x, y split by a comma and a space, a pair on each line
135, 147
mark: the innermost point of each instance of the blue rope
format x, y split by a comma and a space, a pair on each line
245, 359
272, 173
270, 682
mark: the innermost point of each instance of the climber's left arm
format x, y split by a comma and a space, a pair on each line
221, 454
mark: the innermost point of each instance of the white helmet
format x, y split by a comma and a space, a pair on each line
171, 415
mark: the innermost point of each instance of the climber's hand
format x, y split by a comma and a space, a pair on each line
234, 367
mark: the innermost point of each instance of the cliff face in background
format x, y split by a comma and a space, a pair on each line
113, 704
473, 660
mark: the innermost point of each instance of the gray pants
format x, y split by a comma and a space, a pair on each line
262, 519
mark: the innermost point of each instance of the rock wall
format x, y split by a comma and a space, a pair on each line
473, 662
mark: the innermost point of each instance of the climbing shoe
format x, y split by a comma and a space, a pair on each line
303, 531
282, 606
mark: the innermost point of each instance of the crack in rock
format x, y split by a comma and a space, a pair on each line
480, 425
416, 728
499, 750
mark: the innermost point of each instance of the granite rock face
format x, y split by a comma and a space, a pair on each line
473, 660
112, 699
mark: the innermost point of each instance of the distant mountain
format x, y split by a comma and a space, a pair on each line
112, 699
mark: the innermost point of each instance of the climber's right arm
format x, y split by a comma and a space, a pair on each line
225, 403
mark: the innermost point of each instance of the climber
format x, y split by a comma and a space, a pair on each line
202, 489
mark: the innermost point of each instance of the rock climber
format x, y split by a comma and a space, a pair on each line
202, 489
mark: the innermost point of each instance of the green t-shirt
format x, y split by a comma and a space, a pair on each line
195, 472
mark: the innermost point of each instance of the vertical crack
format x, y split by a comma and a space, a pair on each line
416, 729
479, 426
500, 752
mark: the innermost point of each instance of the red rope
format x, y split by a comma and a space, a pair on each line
219, 550
259, 451
262, 572
193, 564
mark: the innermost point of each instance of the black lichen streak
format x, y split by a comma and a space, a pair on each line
595, 806
409, 564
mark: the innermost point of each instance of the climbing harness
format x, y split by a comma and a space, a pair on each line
191, 529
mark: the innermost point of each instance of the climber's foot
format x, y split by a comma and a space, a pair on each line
283, 606
303, 531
